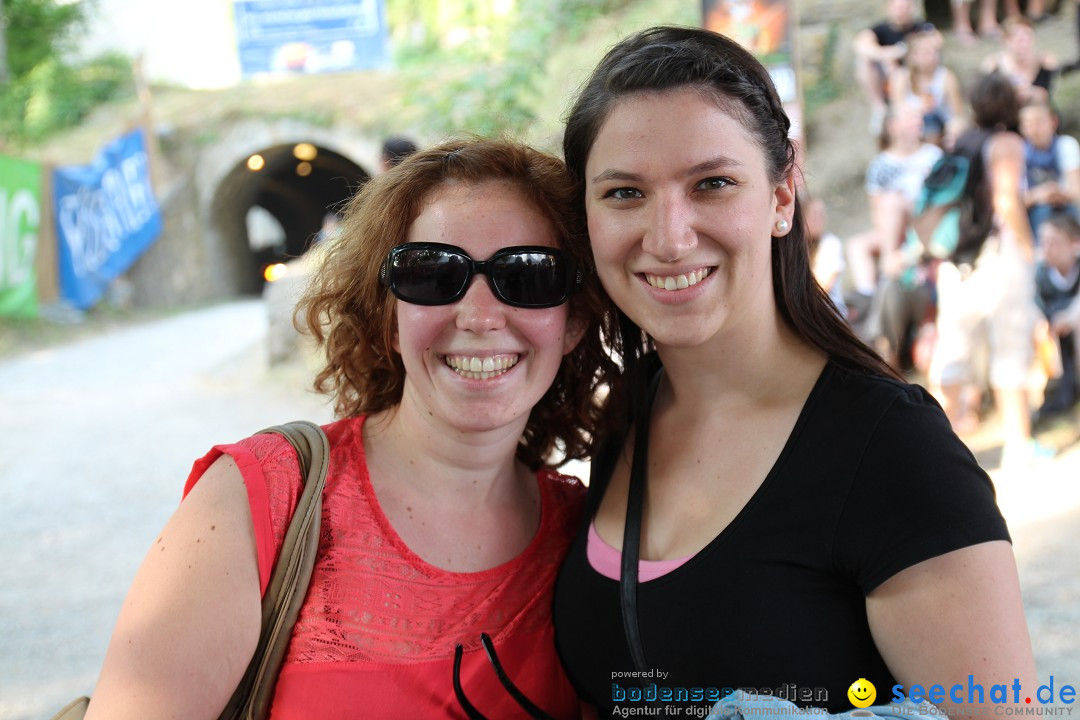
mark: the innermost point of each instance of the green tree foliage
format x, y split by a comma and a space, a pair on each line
489, 80
45, 91
37, 29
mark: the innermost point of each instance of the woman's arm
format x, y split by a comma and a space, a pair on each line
899, 86
1006, 154
954, 99
952, 616
191, 620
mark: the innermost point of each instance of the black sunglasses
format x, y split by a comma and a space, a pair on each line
519, 697
527, 276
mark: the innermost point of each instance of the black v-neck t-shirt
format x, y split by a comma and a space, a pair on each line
871, 481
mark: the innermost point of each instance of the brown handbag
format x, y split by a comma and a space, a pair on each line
288, 584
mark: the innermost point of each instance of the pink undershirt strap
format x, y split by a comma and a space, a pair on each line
607, 561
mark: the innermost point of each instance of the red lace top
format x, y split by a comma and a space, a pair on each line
376, 634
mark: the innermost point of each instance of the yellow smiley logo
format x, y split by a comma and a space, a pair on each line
862, 693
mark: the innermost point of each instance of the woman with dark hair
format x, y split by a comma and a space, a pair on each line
443, 523
773, 508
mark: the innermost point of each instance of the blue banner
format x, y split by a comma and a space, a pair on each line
302, 36
106, 217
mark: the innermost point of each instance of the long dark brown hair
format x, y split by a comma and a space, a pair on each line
352, 317
660, 59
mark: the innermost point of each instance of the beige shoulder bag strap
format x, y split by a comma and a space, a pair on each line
288, 584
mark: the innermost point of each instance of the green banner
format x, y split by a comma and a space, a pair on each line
20, 215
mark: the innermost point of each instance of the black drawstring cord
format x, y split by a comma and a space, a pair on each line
519, 697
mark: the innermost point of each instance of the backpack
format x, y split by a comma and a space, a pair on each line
953, 214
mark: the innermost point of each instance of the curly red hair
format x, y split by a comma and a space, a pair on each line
352, 317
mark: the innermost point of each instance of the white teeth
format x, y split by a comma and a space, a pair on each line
476, 368
677, 282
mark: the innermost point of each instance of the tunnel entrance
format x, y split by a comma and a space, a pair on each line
272, 205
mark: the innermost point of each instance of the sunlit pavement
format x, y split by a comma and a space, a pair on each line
1042, 505
96, 439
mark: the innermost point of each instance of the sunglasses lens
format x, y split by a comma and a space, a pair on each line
436, 274
428, 276
532, 278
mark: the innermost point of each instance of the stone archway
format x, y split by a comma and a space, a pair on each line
295, 184
292, 173
205, 252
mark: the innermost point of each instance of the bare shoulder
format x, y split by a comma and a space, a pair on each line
1006, 145
952, 615
191, 619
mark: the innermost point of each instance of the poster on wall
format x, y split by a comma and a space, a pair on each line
301, 36
106, 217
20, 218
766, 28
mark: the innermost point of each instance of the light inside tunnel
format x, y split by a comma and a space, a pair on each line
275, 271
305, 151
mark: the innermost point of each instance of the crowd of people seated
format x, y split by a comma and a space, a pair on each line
980, 321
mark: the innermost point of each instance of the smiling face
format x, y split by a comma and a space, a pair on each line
924, 52
681, 215
1020, 39
1038, 125
1059, 249
862, 693
905, 126
478, 364
901, 13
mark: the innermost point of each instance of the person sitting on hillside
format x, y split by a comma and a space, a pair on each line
923, 79
880, 49
1052, 162
1030, 69
1057, 284
894, 179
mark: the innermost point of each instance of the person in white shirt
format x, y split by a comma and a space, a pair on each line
1051, 163
894, 179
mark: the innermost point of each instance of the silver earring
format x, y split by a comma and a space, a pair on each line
781, 226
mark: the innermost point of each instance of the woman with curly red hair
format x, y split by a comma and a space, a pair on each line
443, 523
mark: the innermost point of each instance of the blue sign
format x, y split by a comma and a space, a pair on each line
302, 36
106, 217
